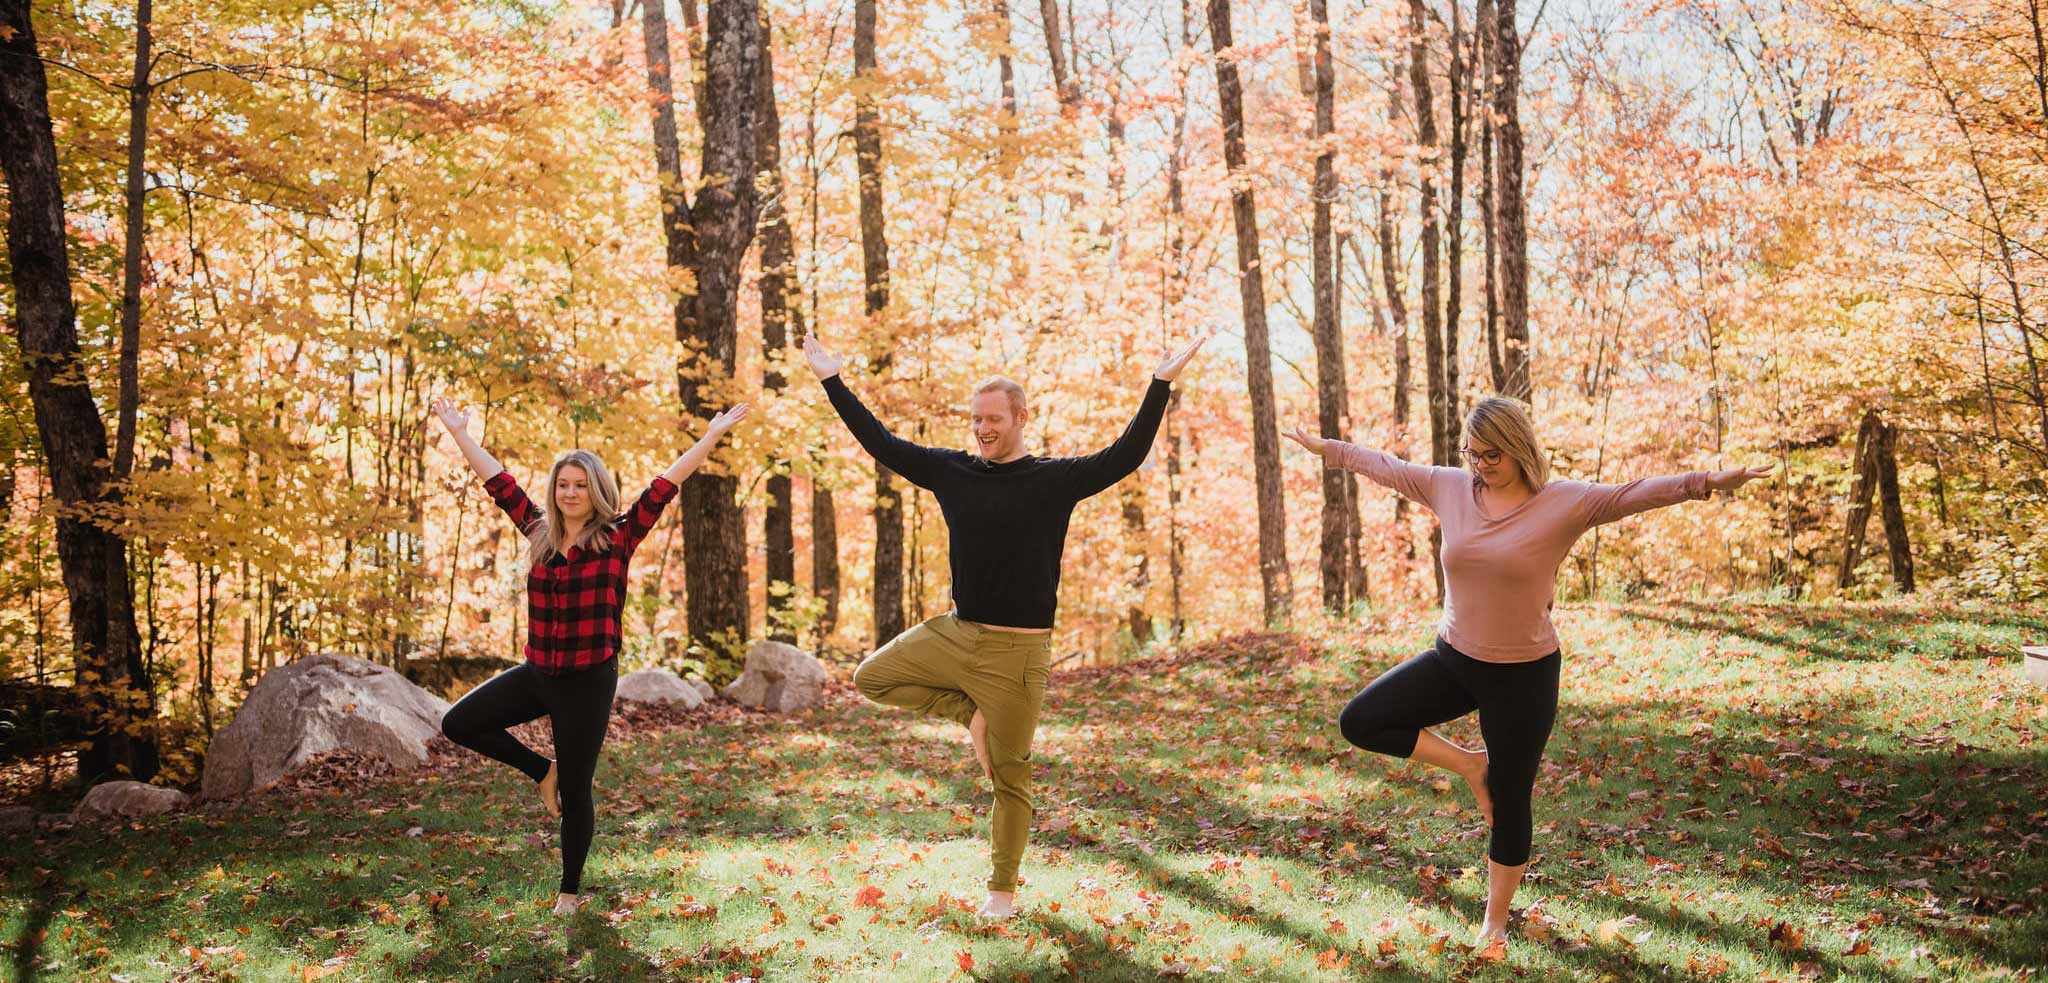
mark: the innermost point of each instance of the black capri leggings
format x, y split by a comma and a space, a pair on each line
579, 703
1517, 702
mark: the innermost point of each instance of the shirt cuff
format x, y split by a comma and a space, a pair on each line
660, 490
1696, 485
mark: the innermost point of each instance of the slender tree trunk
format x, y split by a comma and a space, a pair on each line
874, 248
781, 323
1432, 296
1897, 541
1332, 396
1454, 234
1508, 202
1859, 498
132, 247
1064, 83
93, 559
825, 558
1482, 26
1006, 122
1174, 291
1274, 577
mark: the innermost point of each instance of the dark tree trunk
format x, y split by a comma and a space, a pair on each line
710, 237
1865, 466
1064, 84
109, 668
1332, 396
1897, 541
781, 323
874, 249
1274, 578
1508, 202
1482, 26
1454, 232
825, 558
130, 396
1432, 288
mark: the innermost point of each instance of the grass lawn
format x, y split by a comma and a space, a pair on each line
1734, 791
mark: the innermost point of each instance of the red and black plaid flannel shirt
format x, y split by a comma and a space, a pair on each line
574, 602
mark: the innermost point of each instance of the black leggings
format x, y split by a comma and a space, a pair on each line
579, 703
1516, 702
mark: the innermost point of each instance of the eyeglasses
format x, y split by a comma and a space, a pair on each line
1489, 458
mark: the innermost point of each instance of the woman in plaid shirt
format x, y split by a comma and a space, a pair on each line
575, 588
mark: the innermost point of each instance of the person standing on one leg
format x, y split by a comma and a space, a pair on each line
985, 664
575, 588
1506, 529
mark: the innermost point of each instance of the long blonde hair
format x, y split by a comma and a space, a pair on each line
1504, 424
545, 536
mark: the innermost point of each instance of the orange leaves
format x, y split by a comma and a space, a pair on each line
869, 896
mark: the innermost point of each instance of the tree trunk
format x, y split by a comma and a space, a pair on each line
1454, 233
130, 395
1432, 296
1064, 83
1896, 539
1274, 579
1859, 498
94, 561
1512, 218
874, 250
1482, 26
1332, 396
825, 558
710, 237
1174, 290
781, 323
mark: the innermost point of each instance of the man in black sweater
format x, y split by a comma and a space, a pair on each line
985, 664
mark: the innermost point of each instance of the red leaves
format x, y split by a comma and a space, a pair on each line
965, 959
869, 896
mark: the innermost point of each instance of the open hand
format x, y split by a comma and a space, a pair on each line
823, 362
724, 421
1734, 478
1170, 367
1313, 443
451, 416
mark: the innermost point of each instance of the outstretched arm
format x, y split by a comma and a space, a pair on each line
1415, 481
702, 448
917, 464
1608, 503
498, 482
457, 422
646, 510
1106, 467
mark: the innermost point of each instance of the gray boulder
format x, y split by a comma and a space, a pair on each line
129, 800
658, 686
779, 677
318, 704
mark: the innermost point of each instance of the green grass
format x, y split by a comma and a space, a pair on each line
1734, 791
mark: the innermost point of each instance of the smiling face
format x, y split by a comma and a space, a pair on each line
1491, 464
572, 494
997, 426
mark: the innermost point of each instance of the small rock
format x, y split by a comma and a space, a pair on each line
129, 800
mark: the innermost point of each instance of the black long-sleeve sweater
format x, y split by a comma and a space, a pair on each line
1006, 523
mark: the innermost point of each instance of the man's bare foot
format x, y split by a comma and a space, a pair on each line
977, 728
550, 799
1000, 904
1475, 776
566, 904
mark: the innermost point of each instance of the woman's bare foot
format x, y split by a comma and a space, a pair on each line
1000, 904
550, 799
566, 904
977, 729
1475, 776
1489, 936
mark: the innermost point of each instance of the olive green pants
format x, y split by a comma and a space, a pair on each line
950, 668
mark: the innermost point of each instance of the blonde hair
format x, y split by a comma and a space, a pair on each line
1504, 424
546, 535
1006, 386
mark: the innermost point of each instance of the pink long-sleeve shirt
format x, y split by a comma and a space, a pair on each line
1500, 571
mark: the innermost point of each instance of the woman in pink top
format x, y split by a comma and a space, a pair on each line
1506, 529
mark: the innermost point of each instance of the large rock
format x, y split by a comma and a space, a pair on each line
703, 689
659, 686
779, 677
129, 800
318, 704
